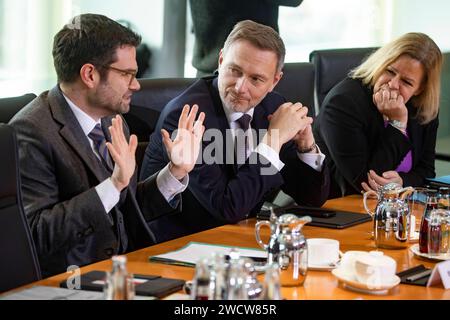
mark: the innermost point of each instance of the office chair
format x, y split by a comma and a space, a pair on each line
332, 66
10, 106
297, 84
19, 263
147, 104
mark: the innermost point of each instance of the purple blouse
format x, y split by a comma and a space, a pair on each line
406, 164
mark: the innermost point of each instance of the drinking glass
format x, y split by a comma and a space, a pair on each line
417, 204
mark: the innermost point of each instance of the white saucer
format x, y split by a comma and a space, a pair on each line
318, 267
441, 257
350, 281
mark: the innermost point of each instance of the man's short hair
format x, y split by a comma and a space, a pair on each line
261, 36
89, 38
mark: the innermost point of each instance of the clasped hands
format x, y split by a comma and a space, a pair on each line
374, 181
183, 151
391, 104
290, 122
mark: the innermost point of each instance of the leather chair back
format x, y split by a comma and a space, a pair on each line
147, 103
297, 84
10, 106
19, 263
332, 66
146, 106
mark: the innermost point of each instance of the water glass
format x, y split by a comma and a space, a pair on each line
417, 204
119, 288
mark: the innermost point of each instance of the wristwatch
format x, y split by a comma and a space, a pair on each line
397, 124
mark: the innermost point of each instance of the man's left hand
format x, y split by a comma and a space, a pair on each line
305, 139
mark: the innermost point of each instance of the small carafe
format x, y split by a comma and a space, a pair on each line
391, 217
287, 247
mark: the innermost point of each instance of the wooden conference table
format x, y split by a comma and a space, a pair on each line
318, 284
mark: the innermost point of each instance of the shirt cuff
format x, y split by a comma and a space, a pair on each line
108, 194
270, 154
314, 160
169, 186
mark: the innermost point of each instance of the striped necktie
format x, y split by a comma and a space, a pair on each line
99, 140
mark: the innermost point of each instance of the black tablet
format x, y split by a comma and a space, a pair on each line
326, 218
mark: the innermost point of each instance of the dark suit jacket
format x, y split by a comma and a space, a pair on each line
223, 193
351, 132
59, 173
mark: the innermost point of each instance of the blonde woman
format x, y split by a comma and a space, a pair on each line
379, 125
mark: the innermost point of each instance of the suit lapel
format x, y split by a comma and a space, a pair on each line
72, 133
106, 123
220, 122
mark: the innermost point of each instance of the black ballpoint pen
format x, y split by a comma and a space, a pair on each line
418, 276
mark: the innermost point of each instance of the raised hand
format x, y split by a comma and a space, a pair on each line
183, 151
123, 154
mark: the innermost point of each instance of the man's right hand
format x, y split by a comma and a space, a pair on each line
123, 154
285, 123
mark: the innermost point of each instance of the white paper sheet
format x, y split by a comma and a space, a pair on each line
194, 251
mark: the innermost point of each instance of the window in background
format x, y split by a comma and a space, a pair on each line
28, 28
324, 24
2, 28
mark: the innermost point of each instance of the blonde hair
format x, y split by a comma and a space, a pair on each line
419, 47
259, 35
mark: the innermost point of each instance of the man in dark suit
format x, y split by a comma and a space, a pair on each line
82, 202
233, 179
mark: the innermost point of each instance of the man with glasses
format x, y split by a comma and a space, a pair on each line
77, 158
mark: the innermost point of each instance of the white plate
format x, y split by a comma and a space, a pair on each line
350, 281
441, 257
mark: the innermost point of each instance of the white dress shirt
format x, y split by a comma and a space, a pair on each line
167, 184
314, 160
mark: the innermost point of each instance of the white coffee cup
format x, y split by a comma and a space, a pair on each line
375, 269
322, 252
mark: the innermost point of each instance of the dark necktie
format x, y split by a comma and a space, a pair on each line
244, 123
99, 140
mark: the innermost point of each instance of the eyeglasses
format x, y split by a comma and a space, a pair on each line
131, 73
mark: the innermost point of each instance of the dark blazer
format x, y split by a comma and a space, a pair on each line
351, 132
59, 173
223, 193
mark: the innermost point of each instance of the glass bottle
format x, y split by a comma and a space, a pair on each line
432, 204
119, 283
272, 286
201, 287
236, 280
218, 276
